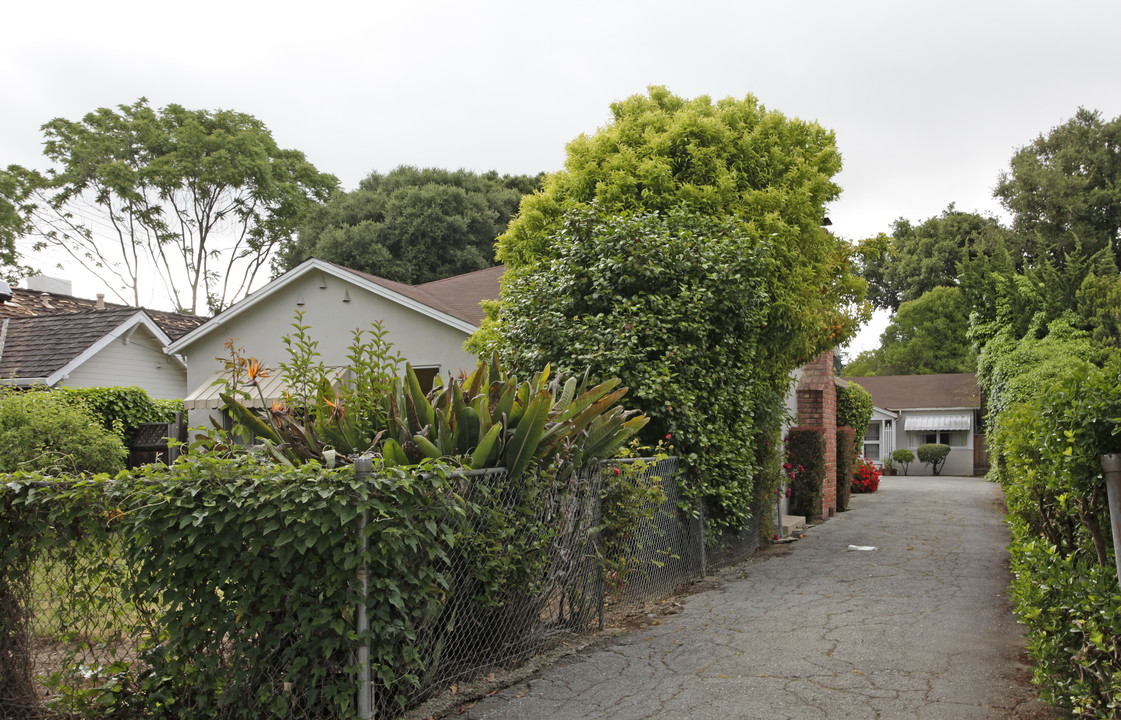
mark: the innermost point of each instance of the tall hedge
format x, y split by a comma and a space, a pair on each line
1046, 455
846, 462
854, 409
805, 454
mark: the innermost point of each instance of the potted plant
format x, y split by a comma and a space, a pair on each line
889, 466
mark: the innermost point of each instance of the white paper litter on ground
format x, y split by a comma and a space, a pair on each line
862, 548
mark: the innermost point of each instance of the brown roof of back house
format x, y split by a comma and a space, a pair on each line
457, 296
33, 303
903, 392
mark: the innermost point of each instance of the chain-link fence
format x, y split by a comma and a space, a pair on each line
65, 627
664, 550
530, 567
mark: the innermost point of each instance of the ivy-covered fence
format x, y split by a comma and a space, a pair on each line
223, 588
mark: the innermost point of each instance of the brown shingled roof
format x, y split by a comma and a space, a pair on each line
459, 296
33, 303
36, 347
903, 392
466, 292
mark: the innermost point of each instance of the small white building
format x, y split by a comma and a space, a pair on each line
913, 410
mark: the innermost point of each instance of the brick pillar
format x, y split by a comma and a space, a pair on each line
817, 406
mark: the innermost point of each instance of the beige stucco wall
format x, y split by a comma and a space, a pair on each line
260, 329
141, 362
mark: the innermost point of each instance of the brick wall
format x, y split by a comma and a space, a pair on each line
817, 406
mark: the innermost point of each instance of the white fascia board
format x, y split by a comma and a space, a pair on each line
298, 272
124, 330
939, 409
23, 382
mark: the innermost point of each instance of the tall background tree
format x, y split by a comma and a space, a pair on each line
192, 202
413, 225
915, 259
1064, 189
928, 335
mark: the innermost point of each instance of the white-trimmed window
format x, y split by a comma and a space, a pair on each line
872, 440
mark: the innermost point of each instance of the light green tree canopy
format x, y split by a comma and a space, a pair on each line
412, 225
726, 159
192, 202
927, 336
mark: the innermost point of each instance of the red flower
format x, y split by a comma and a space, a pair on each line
616, 471
787, 466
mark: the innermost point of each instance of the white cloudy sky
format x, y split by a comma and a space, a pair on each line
928, 99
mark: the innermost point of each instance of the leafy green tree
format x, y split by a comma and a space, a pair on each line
927, 336
915, 259
13, 222
730, 158
191, 202
1064, 189
412, 225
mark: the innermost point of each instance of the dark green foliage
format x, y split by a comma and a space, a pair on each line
123, 409
854, 410
411, 225
676, 307
915, 259
805, 454
934, 455
904, 457
45, 431
1064, 190
846, 462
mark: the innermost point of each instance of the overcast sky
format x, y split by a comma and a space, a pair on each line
928, 100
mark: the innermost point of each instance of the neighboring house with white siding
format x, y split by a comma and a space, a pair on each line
913, 410
427, 324
96, 348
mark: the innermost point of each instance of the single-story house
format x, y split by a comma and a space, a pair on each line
912, 410
427, 324
50, 338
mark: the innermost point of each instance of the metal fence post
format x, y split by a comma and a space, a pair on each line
363, 467
1111, 468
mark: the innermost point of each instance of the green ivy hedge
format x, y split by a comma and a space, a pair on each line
846, 464
805, 456
123, 409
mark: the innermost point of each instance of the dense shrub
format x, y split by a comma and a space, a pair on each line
805, 460
1046, 455
934, 455
846, 464
904, 457
866, 479
45, 431
854, 409
123, 409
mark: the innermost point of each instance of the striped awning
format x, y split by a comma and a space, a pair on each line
272, 388
923, 423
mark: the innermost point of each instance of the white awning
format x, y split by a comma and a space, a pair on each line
922, 423
272, 388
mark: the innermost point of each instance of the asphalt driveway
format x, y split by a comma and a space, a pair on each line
918, 628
